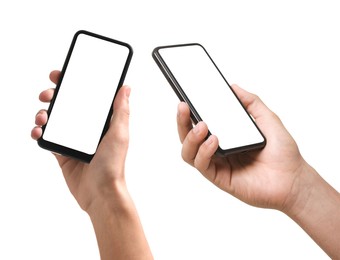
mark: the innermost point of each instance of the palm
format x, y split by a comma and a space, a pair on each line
263, 178
76, 174
84, 180
259, 178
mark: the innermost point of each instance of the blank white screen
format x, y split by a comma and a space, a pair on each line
86, 93
211, 96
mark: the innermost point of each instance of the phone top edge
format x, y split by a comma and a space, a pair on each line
106, 38
177, 45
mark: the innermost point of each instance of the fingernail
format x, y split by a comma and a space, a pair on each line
128, 92
197, 129
209, 141
180, 108
39, 113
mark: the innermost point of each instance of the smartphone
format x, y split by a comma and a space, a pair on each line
196, 80
81, 108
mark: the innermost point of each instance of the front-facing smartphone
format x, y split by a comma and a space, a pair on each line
196, 80
81, 109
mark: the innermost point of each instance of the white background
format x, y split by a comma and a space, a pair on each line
287, 52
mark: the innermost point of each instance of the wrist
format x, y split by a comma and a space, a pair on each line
117, 225
301, 191
315, 208
115, 199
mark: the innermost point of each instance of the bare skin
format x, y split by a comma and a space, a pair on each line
100, 188
275, 177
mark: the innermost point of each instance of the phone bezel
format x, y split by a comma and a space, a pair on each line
66, 151
195, 117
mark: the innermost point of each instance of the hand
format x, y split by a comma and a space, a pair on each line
262, 178
88, 182
99, 187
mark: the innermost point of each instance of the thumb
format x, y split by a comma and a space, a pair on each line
252, 103
116, 140
269, 123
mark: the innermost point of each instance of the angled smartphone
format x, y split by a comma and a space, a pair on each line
196, 80
81, 108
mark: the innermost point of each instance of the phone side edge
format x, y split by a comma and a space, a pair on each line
120, 84
172, 81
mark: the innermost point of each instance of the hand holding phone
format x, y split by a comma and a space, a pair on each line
196, 80
81, 109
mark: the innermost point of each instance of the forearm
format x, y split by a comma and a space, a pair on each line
317, 210
118, 228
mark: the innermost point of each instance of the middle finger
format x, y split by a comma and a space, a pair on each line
193, 141
46, 95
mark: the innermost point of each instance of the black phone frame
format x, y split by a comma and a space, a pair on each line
66, 151
195, 117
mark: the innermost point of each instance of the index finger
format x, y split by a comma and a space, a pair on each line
184, 124
54, 76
